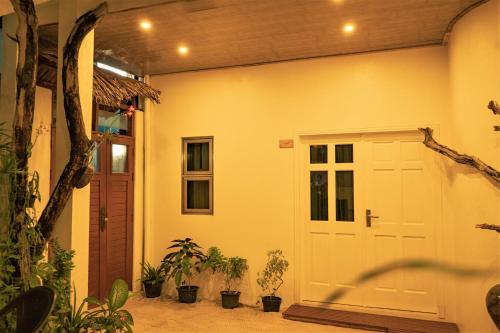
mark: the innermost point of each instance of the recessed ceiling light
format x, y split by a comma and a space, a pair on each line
146, 25
349, 28
338, 2
183, 50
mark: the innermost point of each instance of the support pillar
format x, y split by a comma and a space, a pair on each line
72, 228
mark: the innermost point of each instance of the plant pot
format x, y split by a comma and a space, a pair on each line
230, 299
187, 294
271, 303
493, 304
152, 290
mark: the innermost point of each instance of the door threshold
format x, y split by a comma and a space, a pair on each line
367, 321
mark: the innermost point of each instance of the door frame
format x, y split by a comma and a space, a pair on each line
443, 250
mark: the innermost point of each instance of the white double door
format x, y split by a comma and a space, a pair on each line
391, 177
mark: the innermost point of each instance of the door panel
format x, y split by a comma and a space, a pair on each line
111, 257
405, 228
392, 178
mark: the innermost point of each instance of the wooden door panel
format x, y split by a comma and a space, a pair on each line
94, 237
120, 215
110, 248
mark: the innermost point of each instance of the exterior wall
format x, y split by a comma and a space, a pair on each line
474, 51
248, 110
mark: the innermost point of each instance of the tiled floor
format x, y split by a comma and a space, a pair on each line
155, 315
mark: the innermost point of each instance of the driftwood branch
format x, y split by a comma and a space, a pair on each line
78, 164
27, 41
489, 227
472, 161
494, 107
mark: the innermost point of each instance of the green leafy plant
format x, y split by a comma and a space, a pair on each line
179, 264
107, 317
271, 278
151, 274
213, 259
233, 269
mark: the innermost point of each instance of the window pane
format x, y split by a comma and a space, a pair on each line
343, 154
96, 160
198, 194
319, 195
113, 122
344, 193
119, 158
198, 156
318, 154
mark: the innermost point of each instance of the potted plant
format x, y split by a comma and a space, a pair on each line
233, 269
271, 279
152, 279
186, 255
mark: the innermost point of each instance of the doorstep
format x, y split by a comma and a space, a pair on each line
367, 321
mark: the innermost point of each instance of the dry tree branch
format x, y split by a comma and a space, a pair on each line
472, 161
493, 106
489, 227
76, 172
27, 41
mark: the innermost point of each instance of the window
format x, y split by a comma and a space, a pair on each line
197, 175
332, 177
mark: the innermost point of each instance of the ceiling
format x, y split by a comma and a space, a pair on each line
223, 33
6, 6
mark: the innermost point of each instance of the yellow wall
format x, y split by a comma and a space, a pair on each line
474, 51
248, 110
40, 155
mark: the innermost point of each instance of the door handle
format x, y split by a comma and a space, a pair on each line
369, 218
103, 219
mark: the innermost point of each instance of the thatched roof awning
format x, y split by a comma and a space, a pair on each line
112, 89
108, 88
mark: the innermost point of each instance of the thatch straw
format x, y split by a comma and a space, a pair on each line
108, 88
111, 89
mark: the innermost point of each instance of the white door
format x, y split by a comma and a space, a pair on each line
392, 176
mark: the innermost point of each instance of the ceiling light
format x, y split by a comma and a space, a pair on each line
183, 50
145, 25
349, 28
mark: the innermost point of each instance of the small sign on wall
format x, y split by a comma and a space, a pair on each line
286, 143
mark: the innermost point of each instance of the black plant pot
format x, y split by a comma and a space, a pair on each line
230, 299
151, 289
187, 294
493, 304
271, 303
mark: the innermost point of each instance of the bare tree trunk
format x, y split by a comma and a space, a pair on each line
78, 164
27, 40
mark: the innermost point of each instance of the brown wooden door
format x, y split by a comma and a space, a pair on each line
111, 215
